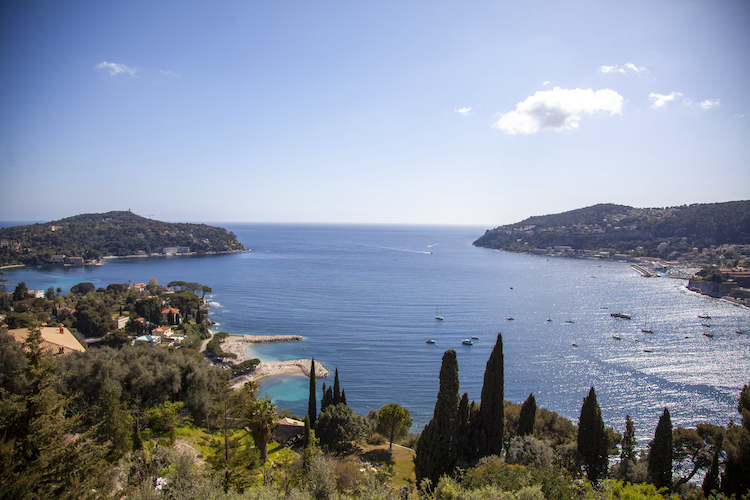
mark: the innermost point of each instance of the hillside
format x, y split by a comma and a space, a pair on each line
92, 236
655, 232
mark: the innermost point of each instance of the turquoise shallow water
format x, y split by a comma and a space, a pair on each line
364, 298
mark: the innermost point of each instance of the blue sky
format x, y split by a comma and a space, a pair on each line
370, 112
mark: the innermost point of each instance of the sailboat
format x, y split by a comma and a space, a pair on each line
438, 316
646, 328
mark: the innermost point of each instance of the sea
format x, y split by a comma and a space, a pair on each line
365, 299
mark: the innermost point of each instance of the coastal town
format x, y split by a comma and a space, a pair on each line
171, 328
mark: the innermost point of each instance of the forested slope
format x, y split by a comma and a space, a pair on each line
92, 236
626, 228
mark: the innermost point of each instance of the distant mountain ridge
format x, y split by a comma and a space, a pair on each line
117, 233
641, 231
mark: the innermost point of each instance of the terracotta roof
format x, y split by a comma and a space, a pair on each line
53, 338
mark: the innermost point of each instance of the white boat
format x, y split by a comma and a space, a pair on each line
467, 342
569, 321
474, 337
438, 316
575, 345
430, 341
616, 337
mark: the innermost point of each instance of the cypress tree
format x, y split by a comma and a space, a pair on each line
627, 452
426, 460
527, 417
464, 452
336, 388
492, 410
327, 399
436, 452
343, 396
312, 403
660, 453
592, 439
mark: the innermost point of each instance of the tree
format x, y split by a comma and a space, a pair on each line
336, 388
711, 480
736, 477
116, 422
394, 422
492, 410
527, 417
93, 318
260, 415
21, 292
40, 454
660, 453
592, 440
435, 452
82, 289
628, 457
339, 427
312, 402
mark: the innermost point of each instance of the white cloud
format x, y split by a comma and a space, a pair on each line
660, 100
623, 69
464, 111
557, 109
170, 73
611, 69
115, 68
709, 103
546, 83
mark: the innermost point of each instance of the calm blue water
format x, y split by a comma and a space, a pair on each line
364, 298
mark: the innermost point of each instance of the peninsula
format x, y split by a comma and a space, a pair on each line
86, 239
711, 234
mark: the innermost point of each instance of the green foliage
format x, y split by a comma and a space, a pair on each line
627, 228
245, 366
214, 347
93, 318
592, 439
736, 477
435, 452
527, 417
44, 453
260, 416
116, 423
492, 410
628, 456
394, 422
339, 429
112, 233
82, 289
147, 377
492, 472
617, 490
312, 402
660, 453
527, 450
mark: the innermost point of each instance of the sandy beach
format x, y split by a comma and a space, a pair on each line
237, 344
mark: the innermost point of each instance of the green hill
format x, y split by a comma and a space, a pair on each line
640, 231
92, 236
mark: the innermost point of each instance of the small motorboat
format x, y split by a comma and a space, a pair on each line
467, 342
